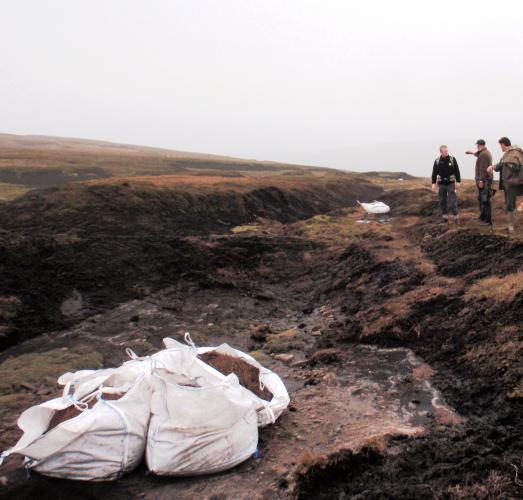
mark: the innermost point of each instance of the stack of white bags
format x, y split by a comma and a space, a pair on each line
187, 417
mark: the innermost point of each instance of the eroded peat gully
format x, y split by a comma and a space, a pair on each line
400, 344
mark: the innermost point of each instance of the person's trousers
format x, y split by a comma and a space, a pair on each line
485, 204
511, 196
448, 199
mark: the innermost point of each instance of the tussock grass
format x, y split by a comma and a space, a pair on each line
501, 290
492, 487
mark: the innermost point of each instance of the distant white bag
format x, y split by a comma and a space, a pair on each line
267, 411
99, 444
199, 430
376, 207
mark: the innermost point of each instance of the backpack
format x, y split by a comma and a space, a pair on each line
452, 177
512, 162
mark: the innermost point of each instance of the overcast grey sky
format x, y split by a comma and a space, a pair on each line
294, 80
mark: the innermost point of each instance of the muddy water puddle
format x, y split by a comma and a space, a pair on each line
370, 393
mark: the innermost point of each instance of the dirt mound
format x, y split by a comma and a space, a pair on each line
420, 202
248, 375
411, 202
181, 208
362, 280
474, 255
319, 476
427, 467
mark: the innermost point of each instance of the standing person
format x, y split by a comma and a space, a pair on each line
511, 177
446, 180
483, 181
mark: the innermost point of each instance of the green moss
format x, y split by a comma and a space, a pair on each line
32, 368
10, 191
260, 356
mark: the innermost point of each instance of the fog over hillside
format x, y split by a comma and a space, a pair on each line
297, 81
415, 158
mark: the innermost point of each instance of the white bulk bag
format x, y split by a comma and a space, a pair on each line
376, 207
267, 411
198, 430
99, 444
83, 382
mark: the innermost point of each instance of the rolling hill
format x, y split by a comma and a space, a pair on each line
30, 161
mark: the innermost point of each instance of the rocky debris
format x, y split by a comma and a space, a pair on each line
285, 358
259, 332
325, 356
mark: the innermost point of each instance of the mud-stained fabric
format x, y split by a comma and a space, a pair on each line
99, 444
199, 430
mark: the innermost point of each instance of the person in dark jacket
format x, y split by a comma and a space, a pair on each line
483, 181
511, 177
445, 181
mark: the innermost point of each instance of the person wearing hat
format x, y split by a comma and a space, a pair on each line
483, 181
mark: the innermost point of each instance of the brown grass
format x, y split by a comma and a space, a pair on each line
445, 416
244, 183
500, 290
423, 372
493, 487
379, 443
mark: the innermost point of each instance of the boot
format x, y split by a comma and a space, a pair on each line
511, 221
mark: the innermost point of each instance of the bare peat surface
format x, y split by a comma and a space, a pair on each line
400, 343
66, 253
